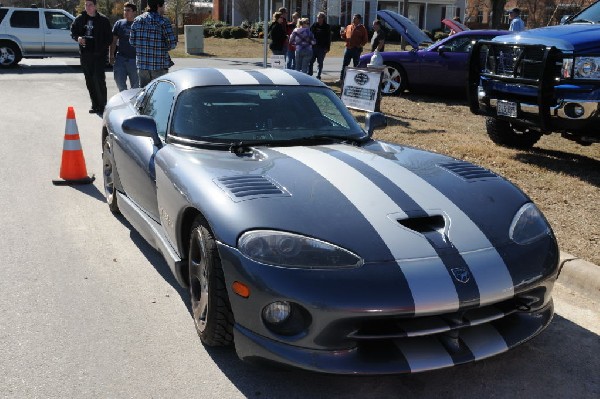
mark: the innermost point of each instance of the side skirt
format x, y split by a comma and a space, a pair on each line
153, 234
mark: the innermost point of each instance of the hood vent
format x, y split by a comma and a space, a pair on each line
468, 171
249, 187
426, 224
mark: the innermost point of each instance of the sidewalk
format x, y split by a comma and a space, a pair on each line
580, 275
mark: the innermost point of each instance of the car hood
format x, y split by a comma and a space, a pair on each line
454, 25
383, 202
409, 31
574, 37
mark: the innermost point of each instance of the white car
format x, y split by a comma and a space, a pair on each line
35, 33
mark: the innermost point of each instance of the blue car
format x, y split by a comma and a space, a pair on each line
304, 241
442, 65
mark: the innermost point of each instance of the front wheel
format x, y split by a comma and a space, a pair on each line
10, 55
210, 303
394, 80
506, 134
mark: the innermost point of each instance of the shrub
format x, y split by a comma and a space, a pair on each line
238, 32
226, 32
440, 36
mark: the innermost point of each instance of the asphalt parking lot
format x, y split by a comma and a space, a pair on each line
88, 309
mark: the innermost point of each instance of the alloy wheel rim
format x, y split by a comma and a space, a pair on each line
198, 283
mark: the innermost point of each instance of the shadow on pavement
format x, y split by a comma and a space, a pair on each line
24, 69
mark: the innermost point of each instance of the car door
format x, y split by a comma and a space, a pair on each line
57, 33
25, 24
135, 155
446, 65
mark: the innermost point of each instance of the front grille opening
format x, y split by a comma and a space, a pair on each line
425, 224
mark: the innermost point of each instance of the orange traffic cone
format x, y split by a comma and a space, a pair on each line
72, 167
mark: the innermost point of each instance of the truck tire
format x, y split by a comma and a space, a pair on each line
503, 133
10, 55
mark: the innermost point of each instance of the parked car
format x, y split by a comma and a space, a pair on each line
540, 81
442, 65
305, 242
35, 33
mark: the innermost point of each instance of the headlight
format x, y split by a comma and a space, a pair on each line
528, 225
585, 67
279, 248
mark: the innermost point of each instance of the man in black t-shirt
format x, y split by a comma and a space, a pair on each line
92, 31
378, 39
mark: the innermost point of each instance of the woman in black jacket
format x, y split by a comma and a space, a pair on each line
278, 35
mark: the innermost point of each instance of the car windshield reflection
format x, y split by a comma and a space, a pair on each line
261, 113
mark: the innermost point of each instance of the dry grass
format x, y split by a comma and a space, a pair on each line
563, 178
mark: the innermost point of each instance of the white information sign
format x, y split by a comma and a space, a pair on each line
361, 88
278, 61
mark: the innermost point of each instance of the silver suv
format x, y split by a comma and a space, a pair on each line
35, 33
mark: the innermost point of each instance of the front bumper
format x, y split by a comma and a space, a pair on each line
402, 355
360, 321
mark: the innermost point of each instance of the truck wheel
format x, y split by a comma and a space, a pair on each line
393, 82
210, 303
505, 134
10, 55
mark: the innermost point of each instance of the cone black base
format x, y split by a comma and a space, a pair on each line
85, 180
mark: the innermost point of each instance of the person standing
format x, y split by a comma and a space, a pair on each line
152, 37
291, 49
124, 60
516, 23
92, 31
277, 34
303, 40
356, 36
378, 39
322, 32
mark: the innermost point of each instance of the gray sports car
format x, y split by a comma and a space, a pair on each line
306, 242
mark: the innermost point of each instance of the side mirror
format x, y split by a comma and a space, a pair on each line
564, 19
142, 126
444, 49
374, 120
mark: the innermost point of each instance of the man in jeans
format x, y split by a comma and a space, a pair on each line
356, 36
124, 65
152, 36
92, 31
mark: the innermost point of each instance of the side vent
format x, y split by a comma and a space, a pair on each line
250, 187
426, 224
468, 171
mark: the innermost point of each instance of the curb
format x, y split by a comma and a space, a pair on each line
580, 275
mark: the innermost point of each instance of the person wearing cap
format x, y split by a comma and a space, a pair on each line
516, 23
122, 53
356, 36
92, 31
152, 36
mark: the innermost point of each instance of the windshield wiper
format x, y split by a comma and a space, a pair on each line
585, 21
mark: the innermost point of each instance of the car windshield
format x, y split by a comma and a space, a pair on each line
228, 114
589, 15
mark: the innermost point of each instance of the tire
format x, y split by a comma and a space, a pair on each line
211, 309
108, 169
394, 80
10, 55
505, 134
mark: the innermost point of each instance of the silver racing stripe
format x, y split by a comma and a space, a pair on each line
431, 286
485, 263
483, 341
279, 76
424, 353
237, 77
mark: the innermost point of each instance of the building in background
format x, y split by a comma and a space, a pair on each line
427, 14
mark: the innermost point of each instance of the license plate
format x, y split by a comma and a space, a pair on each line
507, 108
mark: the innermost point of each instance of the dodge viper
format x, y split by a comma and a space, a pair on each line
303, 241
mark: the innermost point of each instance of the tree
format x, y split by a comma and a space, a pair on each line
248, 9
175, 10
